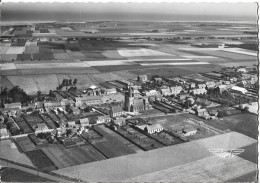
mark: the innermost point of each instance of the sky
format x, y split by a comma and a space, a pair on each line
129, 11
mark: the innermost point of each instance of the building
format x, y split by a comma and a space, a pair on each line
165, 91
151, 93
100, 119
198, 91
189, 131
210, 84
71, 124
239, 89
17, 105
40, 127
134, 103
51, 105
110, 91
84, 121
116, 111
156, 128
89, 100
142, 78
175, 90
3, 133
118, 122
116, 97
65, 102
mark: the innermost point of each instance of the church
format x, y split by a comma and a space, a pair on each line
135, 103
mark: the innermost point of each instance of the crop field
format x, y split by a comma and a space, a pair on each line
25, 144
25, 128
108, 63
112, 54
243, 123
10, 152
15, 50
106, 77
26, 83
61, 56
4, 49
77, 55
40, 160
45, 83
126, 75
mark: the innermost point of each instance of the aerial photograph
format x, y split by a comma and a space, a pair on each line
129, 92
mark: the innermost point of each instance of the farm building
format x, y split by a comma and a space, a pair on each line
238, 89
156, 128
189, 131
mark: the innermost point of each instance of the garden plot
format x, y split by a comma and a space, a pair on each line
46, 83
26, 83
15, 50
141, 52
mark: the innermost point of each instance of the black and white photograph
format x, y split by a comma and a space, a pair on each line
129, 91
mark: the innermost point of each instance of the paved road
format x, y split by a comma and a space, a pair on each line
35, 172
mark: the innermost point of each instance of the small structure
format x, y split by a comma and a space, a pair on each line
189, 132
13, 105
156, 128
118, 122
142, 78
84, 122
239, 89
100, 119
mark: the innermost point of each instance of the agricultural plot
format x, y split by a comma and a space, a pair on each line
112, 54
142, 52
83, 81
26, 83
106, 77
10, 152
62, 56
25, 128
45, 83
109, 63
243, 123
40, 160
76, 55
22, 57
8, 57
25, 144
15, 50
3, 49
31, 49
42, 56
94, 55
62, 157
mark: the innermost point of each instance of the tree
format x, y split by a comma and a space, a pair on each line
75, 81
18, 95
69, 82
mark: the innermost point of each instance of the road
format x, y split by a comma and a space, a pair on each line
32, 171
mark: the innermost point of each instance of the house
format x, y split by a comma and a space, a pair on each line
17, 105
165, 91
239, 89
158, 79
100, 119
119, 121
151, 93
156, 128
84, 121
116, 97
192, 85
183, 96
51, 105
175, 90
198, 91
116, 111
210, 84
110, 91
189, 132
65, 102
202, 86
40, 127
71, 124
142, 78
202, 111
3, 133
242, 69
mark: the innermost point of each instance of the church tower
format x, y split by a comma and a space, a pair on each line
129, 99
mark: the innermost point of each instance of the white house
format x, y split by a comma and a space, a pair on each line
239, 89
189, 132
156, 128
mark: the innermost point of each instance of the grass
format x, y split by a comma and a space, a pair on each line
16, 175
243, 123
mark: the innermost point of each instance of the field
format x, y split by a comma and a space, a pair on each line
140, 52
10, 152
15, 50
178, 156
40, 160
243, 123
25, 144
62, 157
16, 175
